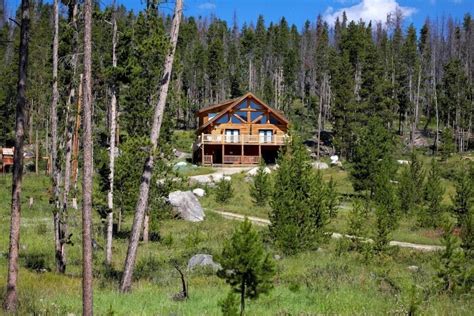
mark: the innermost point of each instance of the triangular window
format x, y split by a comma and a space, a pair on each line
255, 106
223, 119
274, 120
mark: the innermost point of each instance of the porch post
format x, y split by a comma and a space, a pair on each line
202, 149
222, 153
242, 149
259, 152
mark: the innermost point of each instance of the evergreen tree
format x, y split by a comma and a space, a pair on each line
447, 146
299, 209
223, 191
410, 188
260, 190
433, 197
332, 198
463, 199
246, 267
373, 154
359, 216
453, 273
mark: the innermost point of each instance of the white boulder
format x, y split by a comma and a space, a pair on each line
320, 165
199, 192
186, 206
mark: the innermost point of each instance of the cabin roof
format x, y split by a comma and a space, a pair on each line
229, 104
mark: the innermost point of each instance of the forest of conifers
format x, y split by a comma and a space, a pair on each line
413, 79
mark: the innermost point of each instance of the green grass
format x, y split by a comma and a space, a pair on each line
183, 140
189, 172
319, 282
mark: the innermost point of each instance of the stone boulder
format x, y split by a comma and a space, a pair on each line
199, 192
253, 172
202, 260
320, 165
186, 206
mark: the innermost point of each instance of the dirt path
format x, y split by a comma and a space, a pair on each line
218, 174
264, 222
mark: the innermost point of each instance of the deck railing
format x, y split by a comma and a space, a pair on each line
242, 139
246, 160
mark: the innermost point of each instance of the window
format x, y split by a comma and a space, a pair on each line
273, 120
255, 106
232, 135
242, 115
265, 135
255, 115
242, 105
211, 115
235, 120
223, 119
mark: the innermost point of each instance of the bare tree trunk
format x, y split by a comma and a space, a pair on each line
113, 126
321, 97
87, 303
36, 153
146, 227
437, 115
75, 145
148, 168
59, 234
10, 303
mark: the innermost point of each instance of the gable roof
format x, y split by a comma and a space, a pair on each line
234, 102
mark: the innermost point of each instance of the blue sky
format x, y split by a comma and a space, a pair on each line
298, 11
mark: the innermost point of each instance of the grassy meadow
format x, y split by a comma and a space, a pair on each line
328, 281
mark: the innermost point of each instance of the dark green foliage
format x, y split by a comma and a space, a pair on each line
359, 217
454, 274
373, 154
433, 197
246, 266
410, 187
37, 262
299, 201
230, 305
223, 191
332, 198
463, 199
447, 146
260, 189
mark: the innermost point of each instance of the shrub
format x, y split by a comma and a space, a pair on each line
223, 191
41, 229
229, 305
37, 262
246, 267
147, 268
260, 190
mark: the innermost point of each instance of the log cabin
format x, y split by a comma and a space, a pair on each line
240, 131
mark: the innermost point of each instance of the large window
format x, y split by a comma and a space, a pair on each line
266, 135
232, 135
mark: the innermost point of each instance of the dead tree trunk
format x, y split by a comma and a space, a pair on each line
87, 304
59, 234
75, 145
142, 202
113, 126
10, 303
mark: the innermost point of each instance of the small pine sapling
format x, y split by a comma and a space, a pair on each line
447, 146
332, 198
410, 188
433, 197
229, 305
260, 190
463, 199
223, 191
246, 266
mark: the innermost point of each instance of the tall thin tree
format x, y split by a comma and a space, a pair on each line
11, 298
87, 304
113, 127
59, 234
144, 190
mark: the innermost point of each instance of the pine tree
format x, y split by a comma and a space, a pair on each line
332, 198
373, 153
359, 216
463, 199
453, 273
223, 191
246, 267
260, 190
447, 143
410, 187
433, 197
299, 208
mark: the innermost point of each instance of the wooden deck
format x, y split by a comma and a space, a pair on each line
242, 139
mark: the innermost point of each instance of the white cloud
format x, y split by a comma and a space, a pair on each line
368, 10
207, 6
